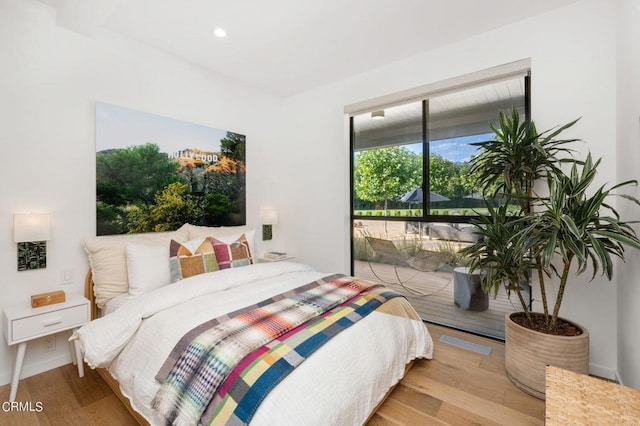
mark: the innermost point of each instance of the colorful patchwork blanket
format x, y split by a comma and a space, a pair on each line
231, 366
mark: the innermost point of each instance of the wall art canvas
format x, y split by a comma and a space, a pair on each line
155, 173
32, 255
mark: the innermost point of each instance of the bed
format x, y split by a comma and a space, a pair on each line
341, 381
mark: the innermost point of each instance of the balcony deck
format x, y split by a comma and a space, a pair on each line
437, 304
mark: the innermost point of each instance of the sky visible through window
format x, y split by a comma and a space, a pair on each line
457, 150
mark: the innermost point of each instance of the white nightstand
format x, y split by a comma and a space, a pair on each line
22, 323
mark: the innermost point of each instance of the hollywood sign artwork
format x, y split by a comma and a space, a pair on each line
205, 157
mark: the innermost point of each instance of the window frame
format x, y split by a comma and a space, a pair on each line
519, 69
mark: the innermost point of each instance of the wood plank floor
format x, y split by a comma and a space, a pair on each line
457, 387
436, 302
66, 399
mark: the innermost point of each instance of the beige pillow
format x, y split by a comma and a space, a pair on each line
108, 260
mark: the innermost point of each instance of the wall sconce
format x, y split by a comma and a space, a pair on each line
268, 217
31, 231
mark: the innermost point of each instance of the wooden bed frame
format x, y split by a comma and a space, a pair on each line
103, 372
115, 386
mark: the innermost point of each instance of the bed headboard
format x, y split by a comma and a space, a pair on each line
88, 293
109, 274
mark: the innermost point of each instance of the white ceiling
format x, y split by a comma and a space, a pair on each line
285, 47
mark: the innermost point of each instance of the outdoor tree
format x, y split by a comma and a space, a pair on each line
450, 179
386, 173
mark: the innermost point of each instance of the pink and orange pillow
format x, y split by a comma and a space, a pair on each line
210, 255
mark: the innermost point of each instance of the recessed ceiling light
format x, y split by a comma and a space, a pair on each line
377, 115
220, 32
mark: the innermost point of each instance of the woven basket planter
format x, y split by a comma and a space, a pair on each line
528, 352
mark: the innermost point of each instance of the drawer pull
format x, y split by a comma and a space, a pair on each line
53, 321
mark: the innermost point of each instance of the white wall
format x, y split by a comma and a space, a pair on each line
298, 161
572, 52
50, 79
628, 153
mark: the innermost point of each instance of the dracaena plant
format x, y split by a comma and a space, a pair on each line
517, 157
573, 223
504, 258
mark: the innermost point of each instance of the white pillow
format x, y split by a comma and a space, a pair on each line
108, 261
147, 267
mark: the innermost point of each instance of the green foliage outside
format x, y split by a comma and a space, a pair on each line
385, 174
382, 176
453, 180
417, 212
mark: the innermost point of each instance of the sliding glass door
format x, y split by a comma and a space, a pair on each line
413, 198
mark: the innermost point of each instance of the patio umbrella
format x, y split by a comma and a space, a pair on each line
415, 196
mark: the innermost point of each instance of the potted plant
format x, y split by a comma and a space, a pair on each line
533, 238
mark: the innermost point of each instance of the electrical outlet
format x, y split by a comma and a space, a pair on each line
49, 343
66, 276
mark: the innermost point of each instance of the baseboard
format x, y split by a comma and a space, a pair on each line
38, 367
604, 372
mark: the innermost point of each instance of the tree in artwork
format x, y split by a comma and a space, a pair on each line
141, 189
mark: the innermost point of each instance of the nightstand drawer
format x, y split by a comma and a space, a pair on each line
49, 322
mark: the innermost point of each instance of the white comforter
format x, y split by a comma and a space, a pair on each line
336, 385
